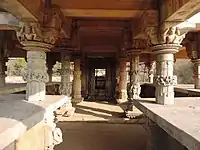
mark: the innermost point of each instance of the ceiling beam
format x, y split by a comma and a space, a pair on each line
102, 13
17, 9
178, 10
108, 5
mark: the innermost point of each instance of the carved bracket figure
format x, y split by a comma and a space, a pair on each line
46, 31
171, 35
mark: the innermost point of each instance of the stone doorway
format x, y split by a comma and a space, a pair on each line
101, 74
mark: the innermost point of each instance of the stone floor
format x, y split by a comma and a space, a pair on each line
101, 126
102, 136
100, 112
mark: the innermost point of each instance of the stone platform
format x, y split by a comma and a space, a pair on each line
17, 116
18, 87
181, 120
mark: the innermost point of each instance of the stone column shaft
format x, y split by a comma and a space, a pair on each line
2, 72
196, 65
65, 87
151, 71
122, 81
50, 71
77, 82
37, 76
164, 79
134, 87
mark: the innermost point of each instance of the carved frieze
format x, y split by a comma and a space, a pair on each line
37, 76
165, 80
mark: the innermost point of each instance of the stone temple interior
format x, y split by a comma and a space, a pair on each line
106, 41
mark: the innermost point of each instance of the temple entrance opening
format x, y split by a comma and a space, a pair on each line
100, 79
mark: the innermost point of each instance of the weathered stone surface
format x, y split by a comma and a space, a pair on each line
164, 80
77, 98
184, 130
18, 115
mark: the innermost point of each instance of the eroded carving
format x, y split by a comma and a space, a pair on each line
65, 87
46, 31
165, 80
172, 35
134, 90
53, 135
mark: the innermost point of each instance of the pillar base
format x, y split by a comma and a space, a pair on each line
122, 97
77, 100
131, 111
120, 101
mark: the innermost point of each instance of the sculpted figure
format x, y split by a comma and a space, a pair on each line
172, 36
152, 35
27, 33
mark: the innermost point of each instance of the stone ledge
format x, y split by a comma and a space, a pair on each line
18, 115
180, 120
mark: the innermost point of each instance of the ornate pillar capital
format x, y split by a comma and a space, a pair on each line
137, 46
46, 31
169, 35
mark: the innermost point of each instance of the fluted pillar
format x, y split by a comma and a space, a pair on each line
65, 87
77, 82
164, 79
122, 81
37, 76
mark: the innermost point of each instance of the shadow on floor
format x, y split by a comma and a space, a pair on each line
99, 136
97, 112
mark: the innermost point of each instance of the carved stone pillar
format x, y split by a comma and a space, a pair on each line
196, 65
50, 71
134, 88
164, 79
77, 98
151, 71
37, 72
65, 87
122, 81
2, 72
